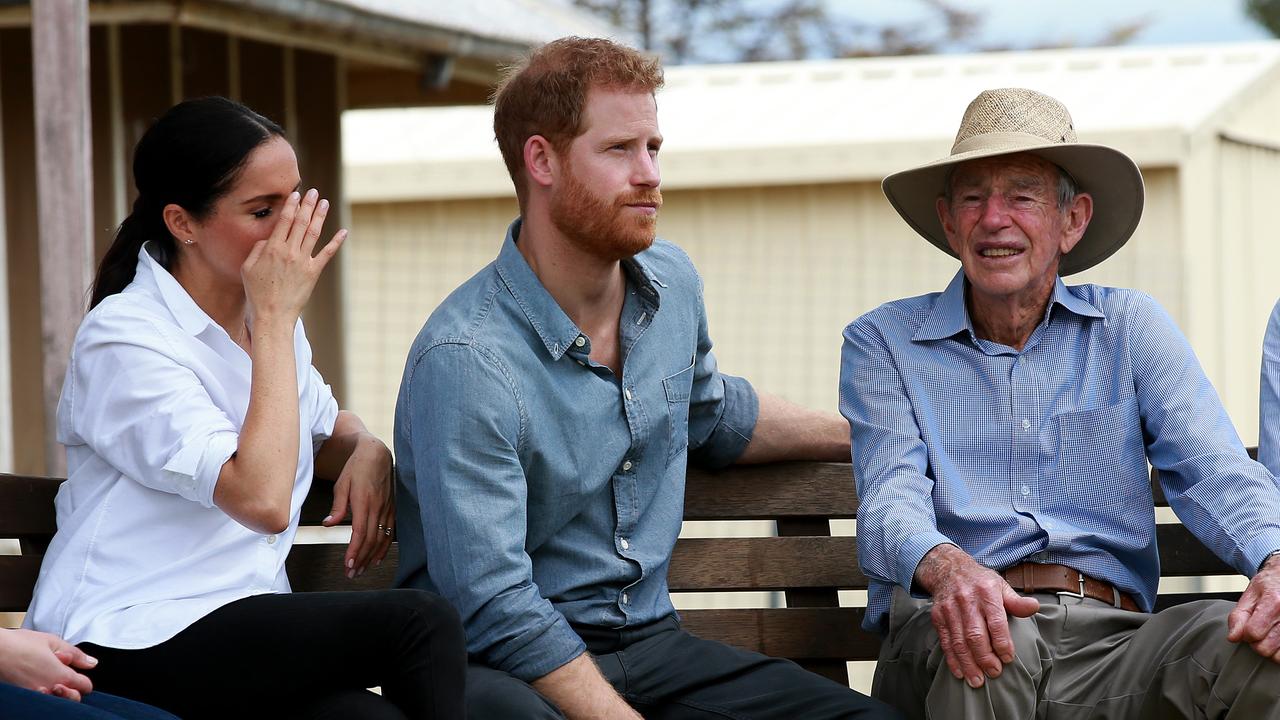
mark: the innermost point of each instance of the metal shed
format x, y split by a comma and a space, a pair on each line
771, 176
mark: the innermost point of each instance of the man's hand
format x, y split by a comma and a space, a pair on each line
1256, 619
582, 693
969, 607
44, 663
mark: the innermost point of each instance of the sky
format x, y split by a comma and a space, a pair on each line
1021, 23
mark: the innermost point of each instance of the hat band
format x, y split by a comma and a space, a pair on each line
1002, 142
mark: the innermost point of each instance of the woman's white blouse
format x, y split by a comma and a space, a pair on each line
151, 408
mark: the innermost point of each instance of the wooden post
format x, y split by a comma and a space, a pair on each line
64, 190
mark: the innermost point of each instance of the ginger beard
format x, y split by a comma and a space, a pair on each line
601, 227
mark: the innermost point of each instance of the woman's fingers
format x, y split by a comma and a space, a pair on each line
327, 252
302, 220
287, 214
312, 234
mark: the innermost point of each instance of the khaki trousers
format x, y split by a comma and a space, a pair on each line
1080, 658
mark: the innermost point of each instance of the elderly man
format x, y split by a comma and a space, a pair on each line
548, 410
1001, 433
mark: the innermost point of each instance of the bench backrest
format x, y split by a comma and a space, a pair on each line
804, 561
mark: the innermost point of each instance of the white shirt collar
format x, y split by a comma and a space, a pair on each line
190, 317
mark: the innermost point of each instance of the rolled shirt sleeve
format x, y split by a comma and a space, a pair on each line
156, 423
723, 409
472, 496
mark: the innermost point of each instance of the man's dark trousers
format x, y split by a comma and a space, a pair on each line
668, 674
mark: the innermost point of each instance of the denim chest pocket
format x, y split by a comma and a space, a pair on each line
1101, 456
677, 388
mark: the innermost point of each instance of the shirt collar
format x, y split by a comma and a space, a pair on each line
950, 315
543, 312
546, 316
190, 317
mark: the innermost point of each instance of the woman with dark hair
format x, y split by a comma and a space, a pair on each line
194, 423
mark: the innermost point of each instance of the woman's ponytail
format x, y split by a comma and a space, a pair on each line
118, 265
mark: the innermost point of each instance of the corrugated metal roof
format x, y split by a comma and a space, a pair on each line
808, 121
492, 29
523, 21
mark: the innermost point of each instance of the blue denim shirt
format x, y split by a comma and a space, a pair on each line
1042, 454
536, 488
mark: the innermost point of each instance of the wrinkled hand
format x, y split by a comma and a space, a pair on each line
280, 272
44, 663
366, 486
1256, 619
970, 603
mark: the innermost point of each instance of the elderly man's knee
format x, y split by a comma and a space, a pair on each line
495, 694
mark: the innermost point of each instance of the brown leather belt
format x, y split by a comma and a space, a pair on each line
1031, 577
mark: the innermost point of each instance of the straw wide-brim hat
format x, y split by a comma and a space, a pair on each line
1015, 120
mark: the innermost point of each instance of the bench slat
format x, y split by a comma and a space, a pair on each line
1168, 600
18, 575
315, 568
768, 492
797, 633
26, 506
772, 563
1182, 554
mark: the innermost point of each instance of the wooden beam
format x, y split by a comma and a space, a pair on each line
6, 370
64, 194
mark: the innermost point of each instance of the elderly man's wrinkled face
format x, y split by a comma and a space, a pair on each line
1004, 222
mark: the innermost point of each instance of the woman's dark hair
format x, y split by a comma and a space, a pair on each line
189, 157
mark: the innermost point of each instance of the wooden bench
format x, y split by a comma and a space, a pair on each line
804, 561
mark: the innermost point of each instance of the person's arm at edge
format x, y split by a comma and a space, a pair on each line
1269, 398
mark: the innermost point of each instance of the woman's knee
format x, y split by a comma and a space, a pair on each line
430, 617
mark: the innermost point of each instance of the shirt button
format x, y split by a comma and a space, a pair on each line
627, 392
626, 599
626, 466
580, 341
1026, 424
623, 542
1026, 490
271, 539
1022, 359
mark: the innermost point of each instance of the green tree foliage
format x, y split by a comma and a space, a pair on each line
1266, 13
698, 31
693, 31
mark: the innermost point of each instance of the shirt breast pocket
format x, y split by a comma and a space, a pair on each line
677, 388
1101, 457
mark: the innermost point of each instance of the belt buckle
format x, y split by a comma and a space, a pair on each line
1068, 593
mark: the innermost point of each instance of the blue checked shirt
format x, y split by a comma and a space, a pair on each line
1042, 454
537, 489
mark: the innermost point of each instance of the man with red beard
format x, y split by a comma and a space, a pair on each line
546, 415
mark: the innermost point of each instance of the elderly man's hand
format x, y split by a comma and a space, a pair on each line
969, 606
1256, 619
